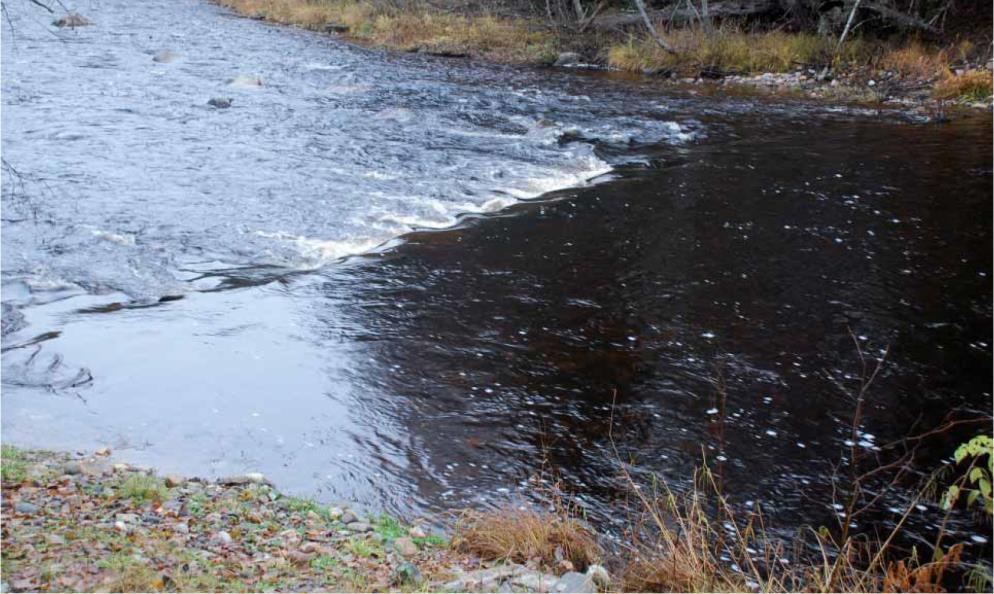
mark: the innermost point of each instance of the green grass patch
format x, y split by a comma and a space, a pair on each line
432, 540
142, 488
13, 464
388, 527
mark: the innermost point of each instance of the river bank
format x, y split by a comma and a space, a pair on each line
906, 74
77, 522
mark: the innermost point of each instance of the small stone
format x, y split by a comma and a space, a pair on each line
119, 467
102, 452
55, 539
223, 537
127, 518
348, 517
359, 527
181, 528
405, 546
417, 532
871, 83
121, 527
224, 103
406, 573
174, 480
335, 513
72, 468
23, 507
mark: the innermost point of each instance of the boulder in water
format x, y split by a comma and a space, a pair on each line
220, 102
72, 20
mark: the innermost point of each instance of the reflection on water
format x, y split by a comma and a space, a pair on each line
736, 242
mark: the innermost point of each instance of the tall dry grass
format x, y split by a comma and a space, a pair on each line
511, 40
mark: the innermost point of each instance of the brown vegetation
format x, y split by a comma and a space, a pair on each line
522, 535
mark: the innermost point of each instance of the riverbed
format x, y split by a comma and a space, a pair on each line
416, 283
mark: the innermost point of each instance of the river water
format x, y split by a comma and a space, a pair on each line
415, 283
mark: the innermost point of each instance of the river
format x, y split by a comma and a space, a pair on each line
415, 283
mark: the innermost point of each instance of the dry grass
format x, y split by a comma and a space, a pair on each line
731, 50
511, 40
973, 85
521, 535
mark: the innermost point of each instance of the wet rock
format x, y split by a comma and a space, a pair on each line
102, 452
568, 59
335, 513
222, 103
574, 582
348, 517
406, 573
72, 20
174, 480
405, 546
121, 527
359, 527
23, 507
417, 532
165, 56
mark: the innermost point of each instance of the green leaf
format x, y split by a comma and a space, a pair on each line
985, 487
976, 474
972, 497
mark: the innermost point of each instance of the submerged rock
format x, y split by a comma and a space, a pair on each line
245, 81
165, 56
221, 103
72, 20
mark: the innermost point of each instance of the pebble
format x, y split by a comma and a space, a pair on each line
348, 517
23, 507
181, 528
359, 527
103, 452
417, 532
72, 468
405, 546
335, 513
223, 537
121, 527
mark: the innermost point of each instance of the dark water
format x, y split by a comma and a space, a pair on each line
174, 287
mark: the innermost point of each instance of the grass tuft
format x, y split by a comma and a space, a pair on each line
520, 535
973, 85
142, 488
13, 464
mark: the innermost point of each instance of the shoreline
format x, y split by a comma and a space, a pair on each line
77, 522
907, 77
